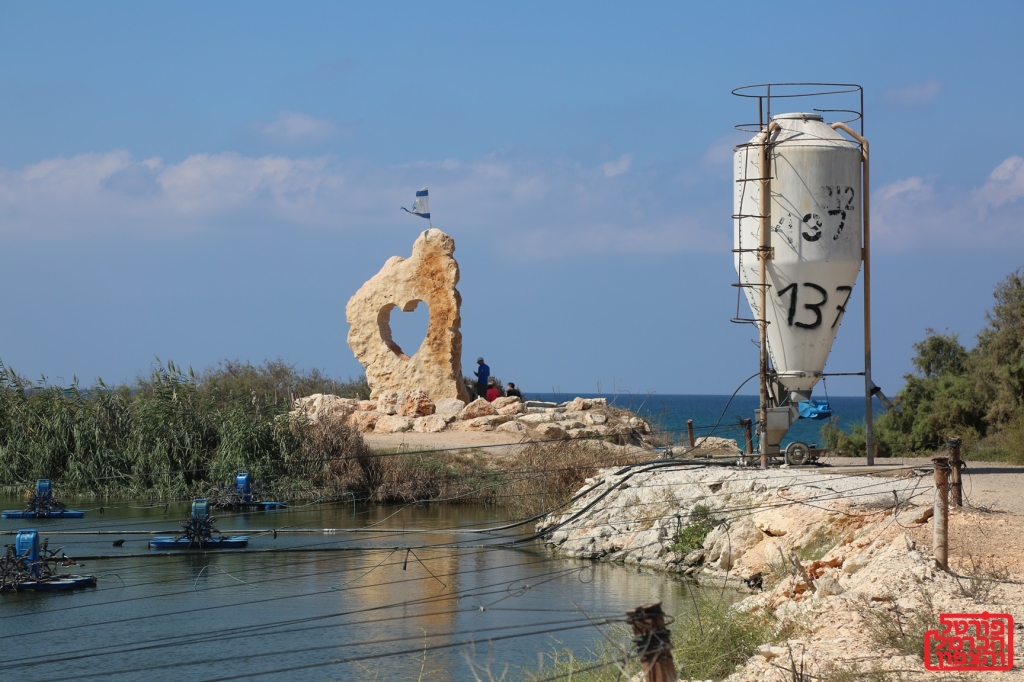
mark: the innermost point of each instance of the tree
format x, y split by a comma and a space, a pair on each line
940, 354
937, 401
997, 362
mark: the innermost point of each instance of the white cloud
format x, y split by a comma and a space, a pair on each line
536, 208
293, 126
618, 167
915, 213
915, 94
1005, 184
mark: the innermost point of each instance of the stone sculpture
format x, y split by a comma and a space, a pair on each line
428, 276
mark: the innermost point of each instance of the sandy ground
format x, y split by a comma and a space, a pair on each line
990, 486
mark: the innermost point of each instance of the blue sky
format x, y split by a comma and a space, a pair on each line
199, 183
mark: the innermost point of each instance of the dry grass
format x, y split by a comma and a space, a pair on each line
538, 477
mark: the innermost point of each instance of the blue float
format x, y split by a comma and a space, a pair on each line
243, 497
43, 505
27, 566
197, 532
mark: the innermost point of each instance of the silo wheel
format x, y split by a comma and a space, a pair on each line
797, 453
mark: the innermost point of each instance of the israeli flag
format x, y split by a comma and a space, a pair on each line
421, 206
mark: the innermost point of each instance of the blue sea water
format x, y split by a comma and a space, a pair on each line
669, 413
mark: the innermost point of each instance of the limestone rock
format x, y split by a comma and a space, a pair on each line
487, 423
580, 432
416, 404
827, 586
538, 418
429, 424
392, 424
477, 408
505, 400
549, 432
323, 406
512, 427
726, 543
639, 424
772, 523
578, 405
364, 422
429, 275
715, 445
387, 402
595, 418
367, 405
448, 407
511, 408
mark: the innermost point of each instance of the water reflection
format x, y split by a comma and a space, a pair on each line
305, 599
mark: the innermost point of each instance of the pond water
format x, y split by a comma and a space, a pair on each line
309, 604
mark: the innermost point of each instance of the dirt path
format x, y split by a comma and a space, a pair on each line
990, 486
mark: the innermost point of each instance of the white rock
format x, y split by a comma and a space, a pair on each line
537, 418
511, 427
324, 406
595, 418
548, 432
487, 423
477, 408
448, 407
387, 402
855, 563
392, 424
430, 424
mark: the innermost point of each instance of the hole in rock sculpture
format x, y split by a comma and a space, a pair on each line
404, 329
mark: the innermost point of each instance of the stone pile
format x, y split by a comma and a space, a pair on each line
829, 556
395, 412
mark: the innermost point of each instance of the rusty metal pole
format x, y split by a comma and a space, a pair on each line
689, 431
764, 249
653, 643
869, 386
747, 423
956, 490
940, 521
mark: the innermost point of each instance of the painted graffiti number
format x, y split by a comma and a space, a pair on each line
813, 307
837, 201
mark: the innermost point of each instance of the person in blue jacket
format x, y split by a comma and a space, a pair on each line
483, 373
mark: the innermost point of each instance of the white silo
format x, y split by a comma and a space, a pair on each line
811, 251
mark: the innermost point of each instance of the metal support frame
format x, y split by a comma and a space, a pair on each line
763, 94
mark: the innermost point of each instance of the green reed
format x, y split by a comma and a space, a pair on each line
173, 433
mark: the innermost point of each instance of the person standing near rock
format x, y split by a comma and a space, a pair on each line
512, 391
483, 373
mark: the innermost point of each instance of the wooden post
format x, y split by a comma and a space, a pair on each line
940, 529
747, 423
653, 644
956, 491
689, 430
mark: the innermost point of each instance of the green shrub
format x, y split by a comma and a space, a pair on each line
691, 536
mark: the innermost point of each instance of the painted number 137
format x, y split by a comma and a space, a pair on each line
814, 307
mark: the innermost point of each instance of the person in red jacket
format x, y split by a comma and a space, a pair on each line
493, 393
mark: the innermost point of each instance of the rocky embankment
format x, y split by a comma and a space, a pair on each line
841, 562
395, 412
